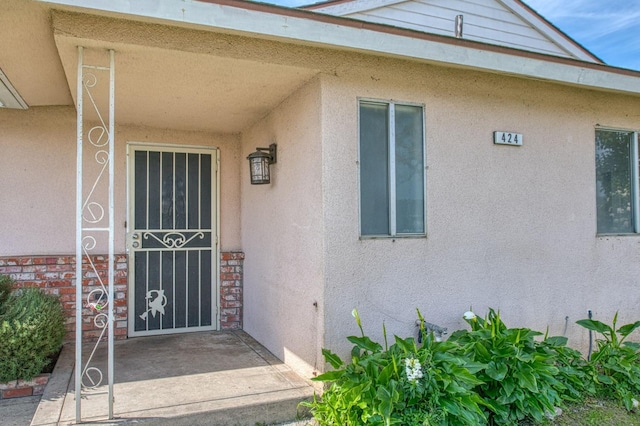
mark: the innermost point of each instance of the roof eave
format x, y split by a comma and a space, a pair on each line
301, 26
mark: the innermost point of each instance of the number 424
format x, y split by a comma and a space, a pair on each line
507, 138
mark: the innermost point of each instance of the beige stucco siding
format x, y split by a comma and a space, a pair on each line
38, 175
513, 228
282, 233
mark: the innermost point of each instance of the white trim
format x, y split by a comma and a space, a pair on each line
9, 96
425, 167
215, 238
635, 183
79, 203
635, 177
391, 146
562, 41
559, 39
354, 6
616, 129
216, 263
314, 32
112, 237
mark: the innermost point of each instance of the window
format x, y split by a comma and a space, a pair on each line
617, 181
392, 183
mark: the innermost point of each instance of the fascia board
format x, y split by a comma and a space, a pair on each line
557, 37
302, 27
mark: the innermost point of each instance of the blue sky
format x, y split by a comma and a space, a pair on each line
610, 29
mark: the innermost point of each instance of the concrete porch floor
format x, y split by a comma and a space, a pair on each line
206, 378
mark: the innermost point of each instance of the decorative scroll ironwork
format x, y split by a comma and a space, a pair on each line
155, 304
174, 239
94, 226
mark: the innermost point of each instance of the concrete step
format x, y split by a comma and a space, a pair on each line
222, 378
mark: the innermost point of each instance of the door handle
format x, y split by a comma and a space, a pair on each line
135, 237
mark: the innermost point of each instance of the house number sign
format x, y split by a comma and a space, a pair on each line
507, 138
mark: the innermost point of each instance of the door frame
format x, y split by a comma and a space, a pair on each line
215, 269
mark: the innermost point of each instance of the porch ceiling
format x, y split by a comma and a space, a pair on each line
158, 83
184, 90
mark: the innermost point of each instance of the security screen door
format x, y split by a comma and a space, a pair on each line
172, 239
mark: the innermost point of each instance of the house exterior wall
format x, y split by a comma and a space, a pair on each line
513, 228
282, 233
37, 210
37, 170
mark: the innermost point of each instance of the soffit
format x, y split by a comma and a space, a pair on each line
28, 55
303, 28
175, 78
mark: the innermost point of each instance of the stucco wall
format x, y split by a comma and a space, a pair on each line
37, 171
512, 228
282, 233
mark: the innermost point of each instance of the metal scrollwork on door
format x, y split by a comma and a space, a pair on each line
174, 239
171, 239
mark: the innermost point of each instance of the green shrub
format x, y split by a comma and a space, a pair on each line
522, 379
31, 329
491, 374
402, 384
575, 373
616, 362
6, 287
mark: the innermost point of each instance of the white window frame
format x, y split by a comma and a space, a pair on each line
635, 180
392, 170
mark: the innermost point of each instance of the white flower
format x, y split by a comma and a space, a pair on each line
469, 315
413, 369
634, 403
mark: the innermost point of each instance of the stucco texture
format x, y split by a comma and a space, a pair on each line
512, 228
38, 164
282, 233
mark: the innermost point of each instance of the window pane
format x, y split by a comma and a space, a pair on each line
374, 169
409, 170
613, 182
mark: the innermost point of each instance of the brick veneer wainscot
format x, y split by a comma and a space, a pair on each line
20, 388
231, 276
55, 275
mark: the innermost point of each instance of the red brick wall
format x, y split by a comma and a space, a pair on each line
55, 275
231, 273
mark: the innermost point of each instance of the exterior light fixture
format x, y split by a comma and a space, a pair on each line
259, 164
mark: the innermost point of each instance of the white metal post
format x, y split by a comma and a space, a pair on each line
111, 224
79, 204
90, 223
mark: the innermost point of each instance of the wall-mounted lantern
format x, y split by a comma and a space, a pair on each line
259, 164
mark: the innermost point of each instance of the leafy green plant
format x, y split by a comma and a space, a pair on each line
617, 361
575, 373
6, 287
403, 384
521, 378
31, 329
